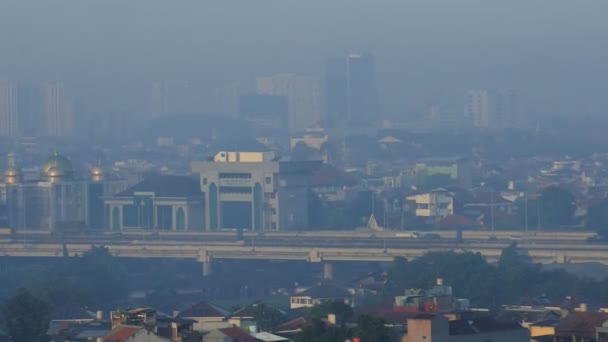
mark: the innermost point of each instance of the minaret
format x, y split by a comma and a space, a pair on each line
12, 174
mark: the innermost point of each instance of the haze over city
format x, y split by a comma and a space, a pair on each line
303, 171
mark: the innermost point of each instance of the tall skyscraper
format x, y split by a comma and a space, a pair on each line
361, 89
336, 104
304, 97
350, 90
31, 109
491, 109
9, 126
58, 111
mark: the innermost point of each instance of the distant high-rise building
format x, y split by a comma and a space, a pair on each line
336, 104
304, 97
31, 110
58, 110
491, 109
9, 126
362, 96
351, 96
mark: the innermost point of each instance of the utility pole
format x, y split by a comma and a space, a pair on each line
526, 218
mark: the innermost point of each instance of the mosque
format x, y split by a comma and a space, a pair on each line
59, 199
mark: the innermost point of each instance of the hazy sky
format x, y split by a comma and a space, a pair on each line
553, 52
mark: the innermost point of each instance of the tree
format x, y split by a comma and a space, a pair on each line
515, 271
372, 329
337, 307
597, 218
556, 206
318, 331
266, 317
26, 317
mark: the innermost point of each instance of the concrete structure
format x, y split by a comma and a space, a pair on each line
361, 92
304, 97
254, 191
319, 294
207, 316
433, 205
58, 110
436, 328
458, 169
58, 199
491, 109
9, 125
157, 203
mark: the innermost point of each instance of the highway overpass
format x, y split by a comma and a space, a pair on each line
319, 248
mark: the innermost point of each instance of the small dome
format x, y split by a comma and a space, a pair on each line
12, 171
57, 166
97, 171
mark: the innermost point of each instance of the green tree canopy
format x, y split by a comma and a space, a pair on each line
372, 329
26, 317
557, 206
597, 218
339, 308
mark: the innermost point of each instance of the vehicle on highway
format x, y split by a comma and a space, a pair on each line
427, 236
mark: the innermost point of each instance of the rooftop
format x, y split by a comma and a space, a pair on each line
166, 186
325, 290
204, 309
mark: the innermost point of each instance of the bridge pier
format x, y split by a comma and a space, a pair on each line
328, 271
204, 257
207, 268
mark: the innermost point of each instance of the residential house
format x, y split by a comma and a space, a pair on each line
434, 205
583, 327
319, 294
436, 328
244, 318
128, 333
207, 316
232, 334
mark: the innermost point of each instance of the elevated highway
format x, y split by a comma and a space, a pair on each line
326, 247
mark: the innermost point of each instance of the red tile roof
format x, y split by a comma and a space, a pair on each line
581, 324
122, 333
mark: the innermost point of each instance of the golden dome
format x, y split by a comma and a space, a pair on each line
57, 166
12, 171
97, 173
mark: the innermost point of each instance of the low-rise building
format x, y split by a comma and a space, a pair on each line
436, 328
157, 203
207, 316
434, 205
255, 191
320, 294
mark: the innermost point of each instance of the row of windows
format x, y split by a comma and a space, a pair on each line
268, 180
233, 175
235, 190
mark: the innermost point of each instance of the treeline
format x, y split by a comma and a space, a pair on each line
513, 279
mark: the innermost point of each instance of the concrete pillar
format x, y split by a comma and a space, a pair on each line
328, 271
207, 270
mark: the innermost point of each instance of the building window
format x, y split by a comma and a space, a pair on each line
235, 190
273, 226
205, 181
268, 180
423, 206
273, 210
234, 175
